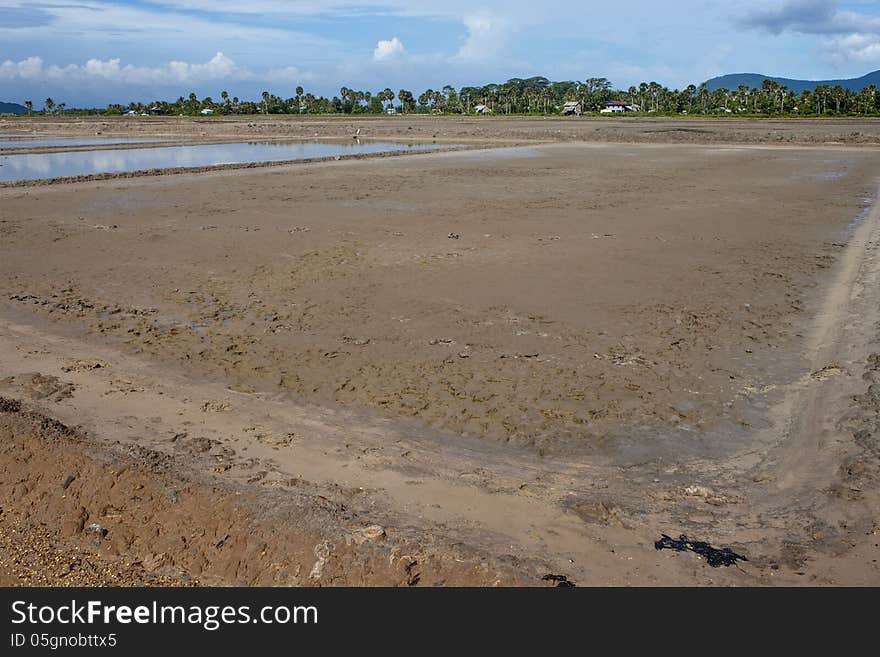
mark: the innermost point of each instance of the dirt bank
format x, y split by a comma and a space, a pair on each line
76, 514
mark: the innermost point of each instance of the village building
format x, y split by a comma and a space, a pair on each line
482, 109
572, 108
617, 106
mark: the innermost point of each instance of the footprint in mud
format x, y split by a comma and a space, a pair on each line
200, 445
84, 365
215, 407
122, 387
599, 513
275, 441
38, 386
828, 372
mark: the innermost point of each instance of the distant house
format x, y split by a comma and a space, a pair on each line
616, 106
207, 111
391, 111
572, 108
129, 112
482, 109
155, 110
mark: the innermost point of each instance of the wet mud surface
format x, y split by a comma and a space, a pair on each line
551, 360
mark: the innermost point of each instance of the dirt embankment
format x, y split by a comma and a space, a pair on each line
75, 514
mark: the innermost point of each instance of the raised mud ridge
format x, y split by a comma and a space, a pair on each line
76, 514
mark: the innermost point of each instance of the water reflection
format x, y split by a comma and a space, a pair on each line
33, 166
51, 143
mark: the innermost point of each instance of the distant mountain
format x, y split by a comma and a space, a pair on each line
755, 79
12, 108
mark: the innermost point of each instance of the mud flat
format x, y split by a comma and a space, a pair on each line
513, 362
631, 129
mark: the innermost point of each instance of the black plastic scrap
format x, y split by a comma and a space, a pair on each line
714, 556
561, 581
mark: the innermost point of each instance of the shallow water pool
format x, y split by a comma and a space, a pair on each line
30, 142
35, 166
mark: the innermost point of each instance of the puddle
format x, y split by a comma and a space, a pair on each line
30, 142
500, 153
860, 218
34, 166
828, 175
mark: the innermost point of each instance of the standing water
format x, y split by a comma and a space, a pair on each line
35, 166
31, 142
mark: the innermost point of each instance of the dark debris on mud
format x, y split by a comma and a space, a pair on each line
715, 557
561, 581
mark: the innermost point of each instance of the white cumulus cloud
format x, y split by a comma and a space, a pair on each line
487, 35
388, 50
855, 47
34, 69
845, 35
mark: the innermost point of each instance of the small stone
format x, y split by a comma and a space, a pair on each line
172, 495
95, 528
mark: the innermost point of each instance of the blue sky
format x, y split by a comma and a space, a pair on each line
91, 52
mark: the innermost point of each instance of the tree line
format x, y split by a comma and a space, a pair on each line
535, 96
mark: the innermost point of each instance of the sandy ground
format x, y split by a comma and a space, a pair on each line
507, 362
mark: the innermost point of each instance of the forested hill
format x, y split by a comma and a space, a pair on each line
755, 80
12, 108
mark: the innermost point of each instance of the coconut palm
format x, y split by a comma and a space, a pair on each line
407, 101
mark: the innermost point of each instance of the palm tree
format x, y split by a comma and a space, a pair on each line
838, 93
30, 106
265, 102
867, 98
783, 91
50, 105
406, 99
704, 95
